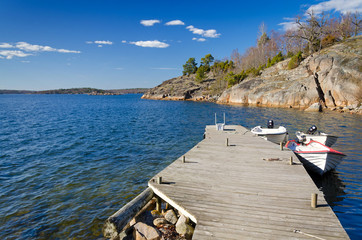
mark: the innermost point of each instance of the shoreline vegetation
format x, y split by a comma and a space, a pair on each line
88, 91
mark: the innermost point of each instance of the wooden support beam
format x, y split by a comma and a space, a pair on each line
158, 203
119, 220
159, 180
314, 199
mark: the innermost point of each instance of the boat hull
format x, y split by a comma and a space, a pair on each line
276, 138
327, 140
275, 135
315, 156
320, 162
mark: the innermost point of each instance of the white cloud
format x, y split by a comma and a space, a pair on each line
103, 42
342, 6
119, 68
23, 47
174, 23
199, 39
6, 45
100, 43
290, 24
149, 23
151, 44
66, 51
211, 33
37, 48
9, 54
124, 41
33, 48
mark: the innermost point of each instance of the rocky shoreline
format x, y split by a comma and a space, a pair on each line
329, 80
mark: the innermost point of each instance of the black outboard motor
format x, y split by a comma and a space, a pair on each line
312, 129
270, 124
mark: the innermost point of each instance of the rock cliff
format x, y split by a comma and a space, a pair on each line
329, 79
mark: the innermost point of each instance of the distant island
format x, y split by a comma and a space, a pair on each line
88, 91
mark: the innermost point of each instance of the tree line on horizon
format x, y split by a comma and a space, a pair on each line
318, 31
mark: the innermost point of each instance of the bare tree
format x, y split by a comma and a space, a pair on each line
356, 22
236, 58
311, 31
291, 43
344, 27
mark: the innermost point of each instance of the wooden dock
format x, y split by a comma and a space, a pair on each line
247, 189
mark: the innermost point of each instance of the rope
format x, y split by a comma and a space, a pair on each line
306, 234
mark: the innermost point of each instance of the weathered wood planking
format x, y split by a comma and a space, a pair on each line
231, 190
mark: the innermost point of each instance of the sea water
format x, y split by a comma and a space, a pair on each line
67, 162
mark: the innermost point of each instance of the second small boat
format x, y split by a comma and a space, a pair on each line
316, 156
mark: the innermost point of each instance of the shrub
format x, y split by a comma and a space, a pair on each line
277, 58
255, 71
201, 73
222, 66
290, 54
233, 79
328, 40
295, 60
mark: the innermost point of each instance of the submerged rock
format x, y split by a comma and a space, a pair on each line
158, 222
171, 216
143, 231
315, 107
184, 228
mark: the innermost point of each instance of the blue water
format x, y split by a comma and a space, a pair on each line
67, 162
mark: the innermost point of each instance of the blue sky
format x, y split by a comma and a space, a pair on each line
109, 44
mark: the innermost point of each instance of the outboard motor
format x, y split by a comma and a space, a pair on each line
312, 129
270, 124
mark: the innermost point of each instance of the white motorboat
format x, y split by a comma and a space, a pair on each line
275, 135
324, 138
316, 156
312, 134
